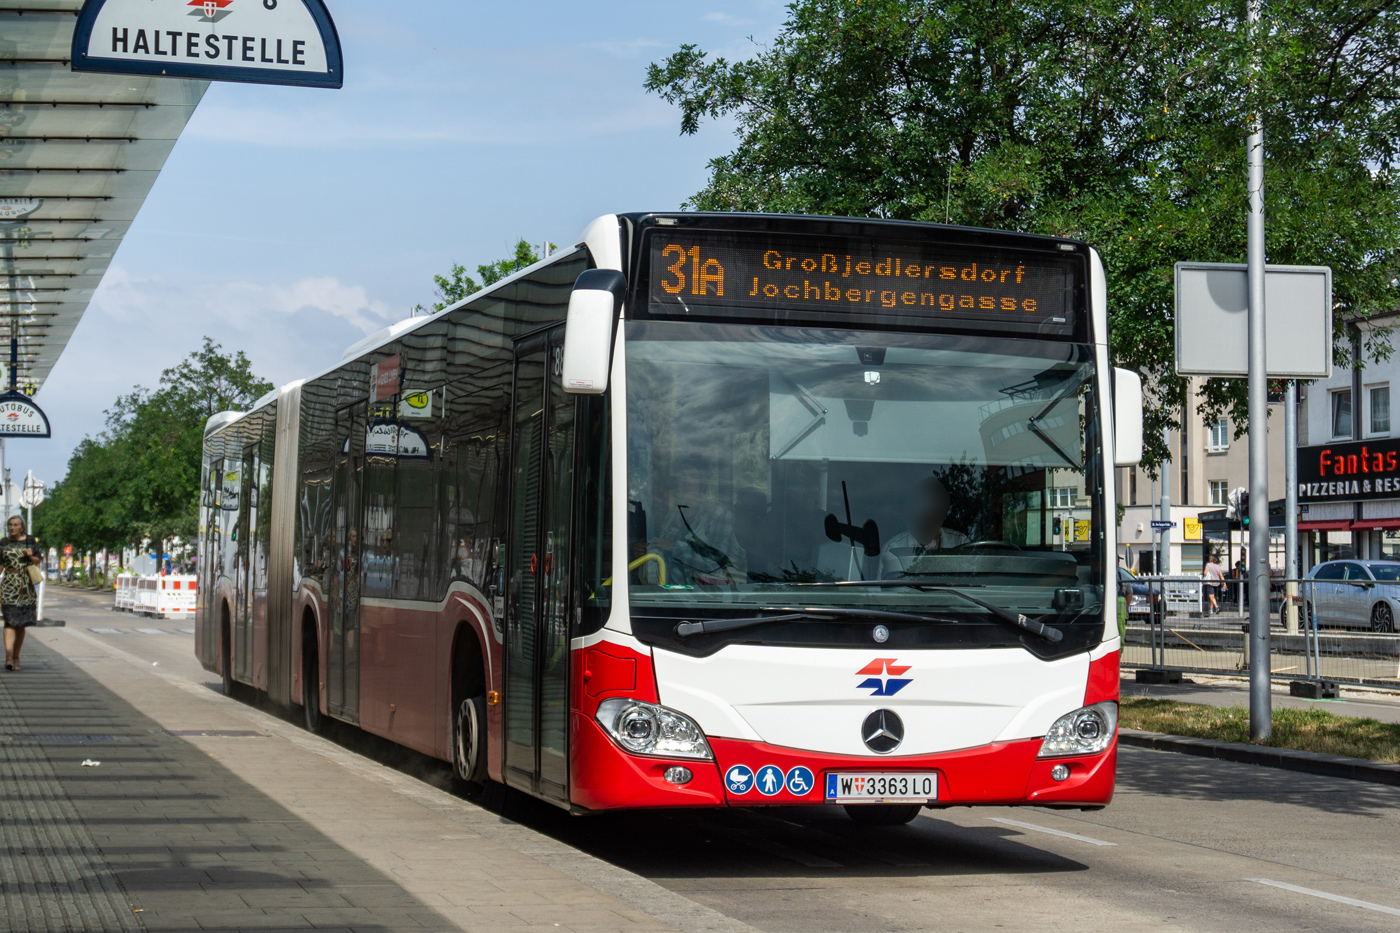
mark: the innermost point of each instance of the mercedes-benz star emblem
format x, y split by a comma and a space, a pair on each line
880, 634
882, 731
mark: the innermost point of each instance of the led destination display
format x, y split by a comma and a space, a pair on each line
710, 274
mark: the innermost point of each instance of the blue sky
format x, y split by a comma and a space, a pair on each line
289, 222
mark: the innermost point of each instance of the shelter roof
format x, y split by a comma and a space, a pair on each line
79, 152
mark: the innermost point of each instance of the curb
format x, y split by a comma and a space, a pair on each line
1356, 769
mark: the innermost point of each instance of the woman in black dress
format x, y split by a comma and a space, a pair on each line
18, 602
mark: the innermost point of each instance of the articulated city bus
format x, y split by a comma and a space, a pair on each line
707, 510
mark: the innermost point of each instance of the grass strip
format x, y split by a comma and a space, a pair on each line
1307, 730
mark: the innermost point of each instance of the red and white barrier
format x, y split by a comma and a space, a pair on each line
126, 592
169, 596
175, 597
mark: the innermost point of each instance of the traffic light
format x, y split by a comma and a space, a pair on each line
1244, 510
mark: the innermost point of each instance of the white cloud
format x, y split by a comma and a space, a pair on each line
126, 297
137, 326
627, 48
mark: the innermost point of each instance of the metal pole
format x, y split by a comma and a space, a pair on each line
1165, 553
1290, 506
1260, 697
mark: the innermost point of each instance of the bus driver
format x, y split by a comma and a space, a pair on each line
926, 507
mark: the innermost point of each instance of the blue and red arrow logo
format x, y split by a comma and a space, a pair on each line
892, 683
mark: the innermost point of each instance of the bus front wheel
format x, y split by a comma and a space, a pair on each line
469, 753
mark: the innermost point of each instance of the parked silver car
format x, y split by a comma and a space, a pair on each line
1354, 594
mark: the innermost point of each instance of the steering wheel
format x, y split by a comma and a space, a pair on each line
989, 542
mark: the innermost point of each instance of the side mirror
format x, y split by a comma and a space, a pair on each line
588, 332
1127, 418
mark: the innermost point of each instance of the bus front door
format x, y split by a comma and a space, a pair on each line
346, 578
537, 629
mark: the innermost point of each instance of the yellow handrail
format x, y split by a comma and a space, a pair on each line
661, 567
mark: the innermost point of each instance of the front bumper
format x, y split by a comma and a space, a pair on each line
604, 777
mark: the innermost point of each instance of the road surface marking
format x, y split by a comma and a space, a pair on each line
1053, 832
1350, 902
105, 631
153, 631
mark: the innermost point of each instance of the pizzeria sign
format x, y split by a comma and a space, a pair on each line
1349, 471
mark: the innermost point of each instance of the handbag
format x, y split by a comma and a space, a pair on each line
36, 576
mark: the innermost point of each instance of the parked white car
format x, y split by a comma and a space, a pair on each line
1354, 594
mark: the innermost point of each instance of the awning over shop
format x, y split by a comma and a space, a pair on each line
78, 155
1334, 524
1376, 524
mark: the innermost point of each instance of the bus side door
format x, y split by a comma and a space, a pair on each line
243, 583
537, 630
346, 576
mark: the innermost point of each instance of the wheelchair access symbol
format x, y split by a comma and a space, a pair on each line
739, 779
800, 781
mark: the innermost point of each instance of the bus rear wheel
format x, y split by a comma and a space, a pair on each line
227, 644
469, 753
883, 814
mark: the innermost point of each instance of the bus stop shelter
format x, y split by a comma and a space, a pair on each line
79, 152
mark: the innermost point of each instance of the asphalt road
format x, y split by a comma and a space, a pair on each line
1188, 844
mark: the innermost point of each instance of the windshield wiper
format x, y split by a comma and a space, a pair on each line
793, 613
1016, 619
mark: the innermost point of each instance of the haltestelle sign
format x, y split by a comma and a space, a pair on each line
20, 417
257, 41
1349, 471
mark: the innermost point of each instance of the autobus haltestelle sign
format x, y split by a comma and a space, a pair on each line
20, 417
258, 41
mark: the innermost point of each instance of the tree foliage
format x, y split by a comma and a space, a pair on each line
456, 285
139, 479
1119, 123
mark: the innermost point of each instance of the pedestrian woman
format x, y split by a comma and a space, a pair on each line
18, 552
1215, 582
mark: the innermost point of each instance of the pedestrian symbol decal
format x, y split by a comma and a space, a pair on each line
800, 781
739, 779
770, 780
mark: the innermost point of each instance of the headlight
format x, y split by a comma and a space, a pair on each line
1086, 731
648, 729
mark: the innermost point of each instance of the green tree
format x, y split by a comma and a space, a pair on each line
457, 284
1122, 124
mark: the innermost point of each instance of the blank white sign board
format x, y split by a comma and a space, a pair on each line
1212, 320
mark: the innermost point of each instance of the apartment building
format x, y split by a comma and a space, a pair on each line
1349, 456
1207, 462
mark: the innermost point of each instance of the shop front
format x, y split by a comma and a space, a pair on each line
1349, 501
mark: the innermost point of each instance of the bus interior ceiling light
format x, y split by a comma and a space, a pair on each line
648, 729
1086, 731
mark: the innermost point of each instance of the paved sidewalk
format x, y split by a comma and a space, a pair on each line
207, 814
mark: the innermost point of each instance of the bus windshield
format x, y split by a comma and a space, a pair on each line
778, 467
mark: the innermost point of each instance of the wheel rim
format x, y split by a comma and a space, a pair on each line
1382, 619
468, 741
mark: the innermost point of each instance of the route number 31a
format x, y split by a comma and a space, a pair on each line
702, 274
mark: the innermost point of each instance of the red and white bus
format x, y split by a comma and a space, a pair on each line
707, 510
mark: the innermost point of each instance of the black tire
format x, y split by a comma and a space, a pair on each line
311, 687
227, 666
883, 814
1382, 618
469, 754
